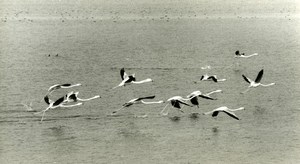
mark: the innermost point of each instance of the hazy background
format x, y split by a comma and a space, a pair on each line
168, 41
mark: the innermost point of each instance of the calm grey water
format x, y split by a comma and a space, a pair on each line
171, 50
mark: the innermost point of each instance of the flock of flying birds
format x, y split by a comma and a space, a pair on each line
71, 99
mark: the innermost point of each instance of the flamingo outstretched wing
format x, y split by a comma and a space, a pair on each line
148, 97
194, 101
206, 97
123, 74
59, 101
231, 114
47, 100
259, 76
213, 78
181, 102
247, 79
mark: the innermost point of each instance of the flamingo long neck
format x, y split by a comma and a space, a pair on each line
142, 81
252, 55
221, 79
50, 91
216, 91
210, 112
53, 87
266, 85
75, 85
232, 110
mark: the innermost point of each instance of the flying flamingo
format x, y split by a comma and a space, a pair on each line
256, 83
130, 79
194, 96
175, 102
73, 97
226, 110
238, 54
55, 104
138, 101
58, 86
211, 77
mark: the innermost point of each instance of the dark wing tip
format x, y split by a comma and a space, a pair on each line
122, 71
132, 78
148, 97
206, 97
246, 79
213, 78
215, 113
175, 104
66, 85
259, 76
194, 101
201, 78
46, 98
231, 115
59, 101
73, 97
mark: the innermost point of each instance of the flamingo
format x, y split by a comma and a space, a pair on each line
256, 83
194, 96
237, 54
58, 86
127, 79
55, 104
226, 110
175, 102
73, 97
211, 77
138, 101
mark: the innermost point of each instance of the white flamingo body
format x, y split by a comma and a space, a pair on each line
226, 110
175, 102
130, 79
256, 82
